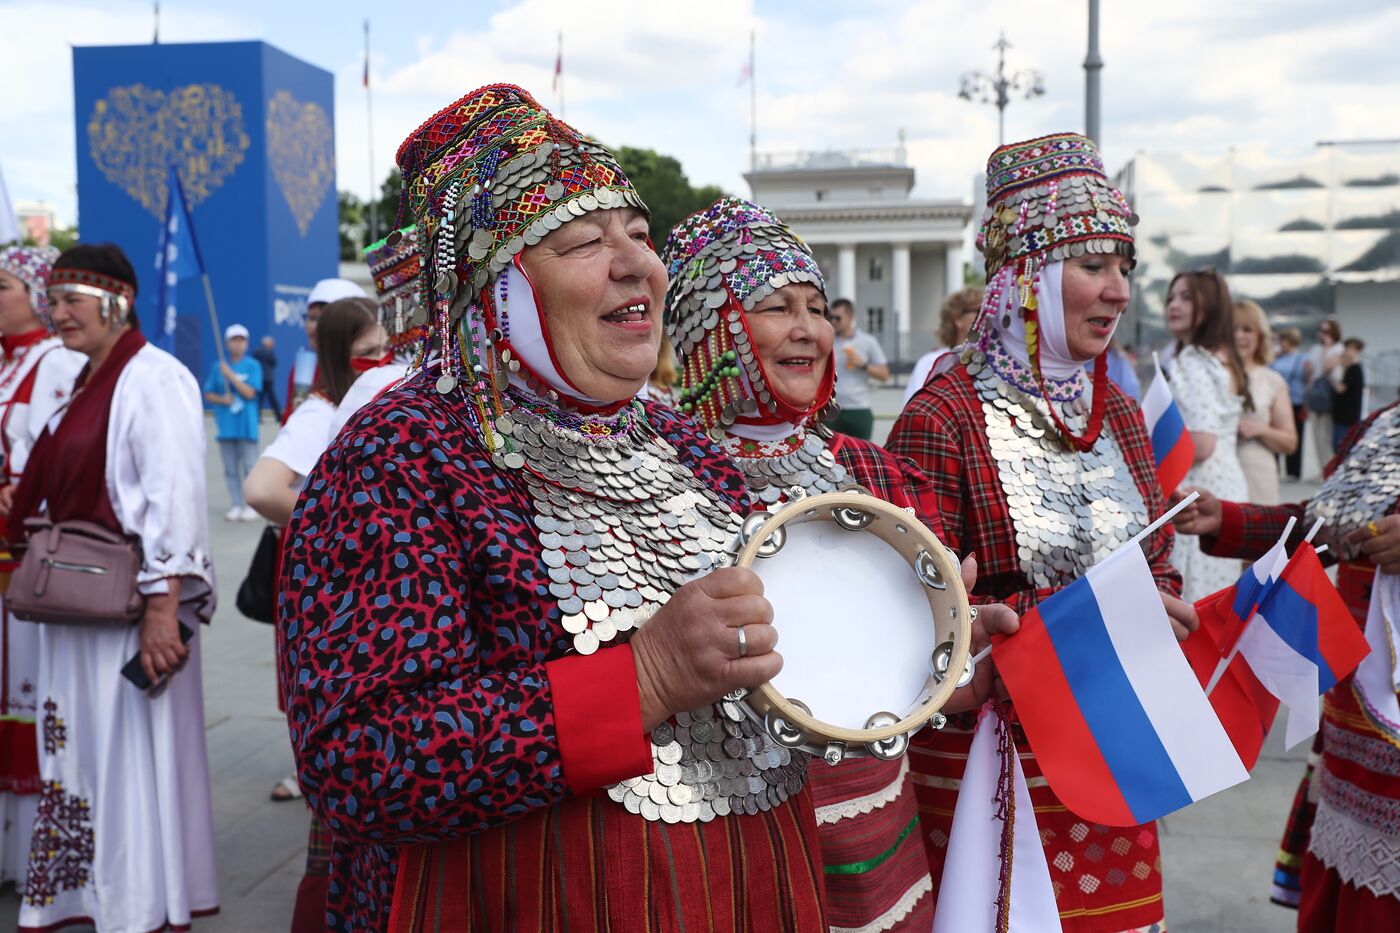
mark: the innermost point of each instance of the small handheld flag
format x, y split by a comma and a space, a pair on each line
177, 258
1117, 719
1173, 451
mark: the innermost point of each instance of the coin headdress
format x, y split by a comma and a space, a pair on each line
1048, 200
482, 179
722, 262
31, 265
395, 263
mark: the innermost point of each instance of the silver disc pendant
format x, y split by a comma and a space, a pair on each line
446, 383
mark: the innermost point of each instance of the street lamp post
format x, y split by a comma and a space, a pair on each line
999, 87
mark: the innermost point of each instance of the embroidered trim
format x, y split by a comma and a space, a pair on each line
1362, 855
856, 806
896, 913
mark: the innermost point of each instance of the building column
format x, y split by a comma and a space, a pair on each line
846, 271
953, 267
899, 281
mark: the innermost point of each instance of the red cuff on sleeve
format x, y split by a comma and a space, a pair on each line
598, 718
1229, 542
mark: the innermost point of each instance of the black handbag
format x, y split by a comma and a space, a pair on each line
257, 596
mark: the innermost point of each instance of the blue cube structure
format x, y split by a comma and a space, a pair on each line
252, 132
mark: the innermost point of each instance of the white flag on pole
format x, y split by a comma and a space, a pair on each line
978, 885
9, 224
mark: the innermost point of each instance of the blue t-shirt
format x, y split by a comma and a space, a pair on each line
238, 421
1290, 367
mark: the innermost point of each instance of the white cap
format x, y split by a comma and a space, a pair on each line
235, 330
328, 290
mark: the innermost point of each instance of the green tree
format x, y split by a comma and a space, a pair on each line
663, 185
352, 225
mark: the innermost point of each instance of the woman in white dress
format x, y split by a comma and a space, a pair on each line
1208, 379
124, 836
1268, 430
36, 374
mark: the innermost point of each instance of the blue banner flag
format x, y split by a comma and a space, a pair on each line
177, 258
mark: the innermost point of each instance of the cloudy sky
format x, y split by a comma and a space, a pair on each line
1187, 75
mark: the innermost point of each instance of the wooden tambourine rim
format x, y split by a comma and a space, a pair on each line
919, 536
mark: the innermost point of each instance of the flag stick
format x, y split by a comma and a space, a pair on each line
213, 317
1168, 516
753, 105
1320, 549
369, 127
1137, 539
1317, 525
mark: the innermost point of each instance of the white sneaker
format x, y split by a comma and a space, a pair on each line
248, 515
234, 514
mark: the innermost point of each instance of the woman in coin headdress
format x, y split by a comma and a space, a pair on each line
1042, 472
394, 262
746, 311
474, 701
36, 375
1339, 862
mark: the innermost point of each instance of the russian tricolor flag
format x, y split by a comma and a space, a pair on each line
1302, 641
1245, 706
1173, 451
1117, 719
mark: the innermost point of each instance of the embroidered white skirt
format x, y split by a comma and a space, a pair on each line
124, 817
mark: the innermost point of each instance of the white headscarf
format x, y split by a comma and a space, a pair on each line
522, 319
1056, 362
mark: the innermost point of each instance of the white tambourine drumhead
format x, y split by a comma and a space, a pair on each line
863, 596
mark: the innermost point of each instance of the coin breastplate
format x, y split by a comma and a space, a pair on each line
1070, 509
1367, 483
770, 469
624, 523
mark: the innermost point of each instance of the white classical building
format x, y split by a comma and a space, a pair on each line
896, 258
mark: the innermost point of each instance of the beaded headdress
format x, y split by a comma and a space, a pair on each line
723, 261
395, 263
1048, 200
484, 178
31, 265
116, 296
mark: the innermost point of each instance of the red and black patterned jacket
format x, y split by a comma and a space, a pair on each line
431, 690
943, 431
1248, 530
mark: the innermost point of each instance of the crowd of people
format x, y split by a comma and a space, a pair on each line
510, 650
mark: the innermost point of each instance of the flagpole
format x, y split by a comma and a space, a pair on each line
369, 140
559, 73
753, 106
1136, 539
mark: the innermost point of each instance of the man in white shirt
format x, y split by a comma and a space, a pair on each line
859, 359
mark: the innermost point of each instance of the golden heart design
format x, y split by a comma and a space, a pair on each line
136, 132
300, 148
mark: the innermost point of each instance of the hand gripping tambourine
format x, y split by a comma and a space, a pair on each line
871, 615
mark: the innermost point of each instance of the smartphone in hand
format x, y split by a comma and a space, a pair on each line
134, 672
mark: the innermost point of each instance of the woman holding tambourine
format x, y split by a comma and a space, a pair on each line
1043, 470
746, 312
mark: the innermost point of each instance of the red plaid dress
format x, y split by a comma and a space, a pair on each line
1106, 879
1362, 767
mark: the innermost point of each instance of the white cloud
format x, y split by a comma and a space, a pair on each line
659, 73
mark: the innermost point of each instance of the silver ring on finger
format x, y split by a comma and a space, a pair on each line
743, 643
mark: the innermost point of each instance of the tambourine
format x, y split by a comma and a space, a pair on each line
871, 615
